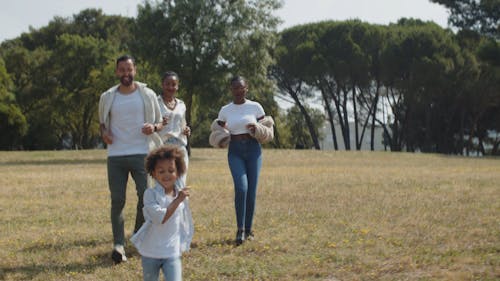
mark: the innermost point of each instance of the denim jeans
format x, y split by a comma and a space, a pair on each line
245, 160
176, 141
171, 267
119, 168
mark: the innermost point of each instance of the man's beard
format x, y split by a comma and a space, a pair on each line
127, 80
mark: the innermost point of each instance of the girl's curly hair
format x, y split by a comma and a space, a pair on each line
168, 151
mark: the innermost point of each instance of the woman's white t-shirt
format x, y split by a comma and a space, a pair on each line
238, 116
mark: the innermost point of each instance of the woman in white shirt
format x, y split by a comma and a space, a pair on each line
244, 154
173, 110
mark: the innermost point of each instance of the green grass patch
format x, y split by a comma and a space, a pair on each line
321, 215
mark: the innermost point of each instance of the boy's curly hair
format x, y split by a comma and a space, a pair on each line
168, 151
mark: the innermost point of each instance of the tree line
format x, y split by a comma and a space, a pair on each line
440, 87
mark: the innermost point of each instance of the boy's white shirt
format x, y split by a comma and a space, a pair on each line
157, 240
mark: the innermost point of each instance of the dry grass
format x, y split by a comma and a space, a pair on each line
320, 216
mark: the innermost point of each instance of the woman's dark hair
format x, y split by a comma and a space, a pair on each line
169, 74
125, 58
237, 78
168, 151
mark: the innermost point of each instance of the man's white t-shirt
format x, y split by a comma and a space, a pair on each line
126, 122
238, 116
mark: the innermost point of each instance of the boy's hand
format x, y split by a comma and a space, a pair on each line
183, 193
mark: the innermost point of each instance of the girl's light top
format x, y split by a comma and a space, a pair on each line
176, 121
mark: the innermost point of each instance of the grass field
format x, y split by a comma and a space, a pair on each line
320, 216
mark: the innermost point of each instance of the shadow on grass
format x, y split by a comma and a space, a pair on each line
93, 261
214, 243
53, 162
30, 271
204, 159
60, 247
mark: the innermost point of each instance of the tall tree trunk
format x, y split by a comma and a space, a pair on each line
346, 129
309, 123
335, 95
357, 140
294, 94
329, 111
374, 117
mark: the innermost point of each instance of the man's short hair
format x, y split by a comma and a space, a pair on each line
125, 58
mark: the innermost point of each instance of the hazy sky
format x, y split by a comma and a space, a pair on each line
18, 15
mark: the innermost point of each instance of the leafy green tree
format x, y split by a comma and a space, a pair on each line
420, 65
33, 87
351, 75
482, 16
299, 134
294, 54
350, 68
13, 123
282, 133
480, 91
80, 65
58, 73
341, 61
370, 93
88, 22
206, 42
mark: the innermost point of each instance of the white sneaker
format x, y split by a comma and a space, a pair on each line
118, 254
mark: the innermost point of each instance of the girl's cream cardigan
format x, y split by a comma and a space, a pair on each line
220, 136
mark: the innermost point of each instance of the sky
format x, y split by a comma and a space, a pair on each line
17, 16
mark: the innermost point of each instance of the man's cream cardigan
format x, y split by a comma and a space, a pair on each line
152, 112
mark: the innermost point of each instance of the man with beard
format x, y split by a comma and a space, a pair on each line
129, 116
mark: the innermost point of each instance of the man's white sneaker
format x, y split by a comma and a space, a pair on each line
118, 254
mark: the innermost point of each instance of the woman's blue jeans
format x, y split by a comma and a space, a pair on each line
245, 160
171, 267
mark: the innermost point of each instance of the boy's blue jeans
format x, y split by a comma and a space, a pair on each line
171, 267
245, 160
